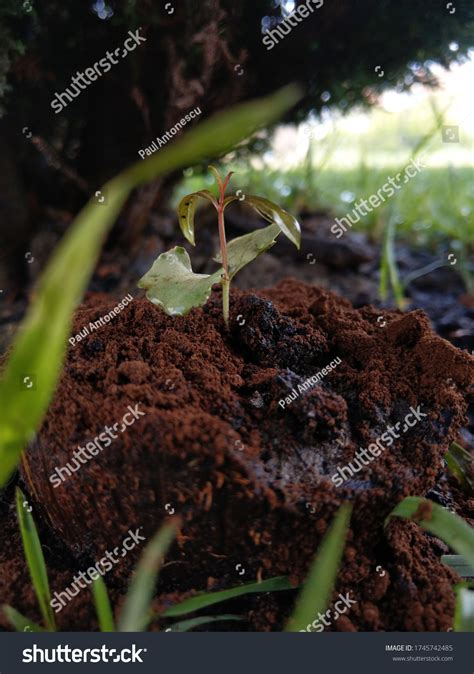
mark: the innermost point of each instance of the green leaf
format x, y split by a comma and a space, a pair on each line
35, 560
460, 463
317, 590
19, 621
187, 209
105, 615
271, 212
173, 286
40, 345
188, 625
136, 613
453, 530
209, 599
464, 610
244, 249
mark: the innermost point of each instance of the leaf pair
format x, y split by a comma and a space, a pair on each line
268, 210
171, 282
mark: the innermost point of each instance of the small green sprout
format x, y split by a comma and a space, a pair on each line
171, 282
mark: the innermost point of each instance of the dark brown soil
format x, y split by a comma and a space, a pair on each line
251, 480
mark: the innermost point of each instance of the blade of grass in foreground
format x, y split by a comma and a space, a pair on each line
438, 521
19, 621
209, 599
35, 560
464, 611
188, 625
39, 347
136, 613
317, 590
105, 615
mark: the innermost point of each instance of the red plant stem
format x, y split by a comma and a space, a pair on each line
223, 243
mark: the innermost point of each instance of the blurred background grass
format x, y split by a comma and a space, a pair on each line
329, 163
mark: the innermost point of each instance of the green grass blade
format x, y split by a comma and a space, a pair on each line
450, 528
35, 560
210, 598
389, 267
215, 136
103, 608
317, 590
19, 621
191, 623
136, 613
460, 464
464, 611
39, 347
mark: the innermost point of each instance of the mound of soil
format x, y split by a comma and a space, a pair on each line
244, 433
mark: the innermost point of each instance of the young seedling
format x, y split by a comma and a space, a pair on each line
171, 282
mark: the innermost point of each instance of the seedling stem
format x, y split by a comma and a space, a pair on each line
223, 245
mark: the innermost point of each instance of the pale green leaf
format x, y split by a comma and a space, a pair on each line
173, 286
317, 590
136, 613
453, 530
244, 249
35, 559
187, 209
273, 213
40, 345
103, 608
210, 598
19, 621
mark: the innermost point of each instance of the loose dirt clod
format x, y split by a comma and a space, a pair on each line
250, 477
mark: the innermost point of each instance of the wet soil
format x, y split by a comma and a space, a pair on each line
248, 465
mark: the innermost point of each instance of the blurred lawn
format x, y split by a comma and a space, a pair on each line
329, 164
435, 206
